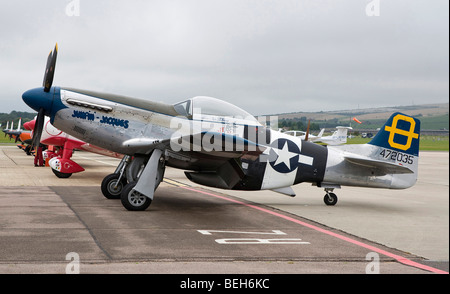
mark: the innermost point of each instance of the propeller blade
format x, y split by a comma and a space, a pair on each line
50, 69
307, 131
47, 67
38, 127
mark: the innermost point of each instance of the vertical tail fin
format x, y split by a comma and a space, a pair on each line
341, 134
321, 133
400, 133
389, 161
398, 142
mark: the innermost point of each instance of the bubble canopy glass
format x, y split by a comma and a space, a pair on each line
211, 106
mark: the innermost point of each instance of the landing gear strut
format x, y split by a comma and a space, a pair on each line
135, 180
330, 198
113, 184
138, 194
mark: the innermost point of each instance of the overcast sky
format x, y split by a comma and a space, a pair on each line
264, 56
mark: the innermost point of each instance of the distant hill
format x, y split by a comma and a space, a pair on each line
432, 116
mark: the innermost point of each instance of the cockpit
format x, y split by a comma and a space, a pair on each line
201, 106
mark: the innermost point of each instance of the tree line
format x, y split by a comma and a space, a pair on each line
14, 116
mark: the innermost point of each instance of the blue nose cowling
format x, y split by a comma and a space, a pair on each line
36, 98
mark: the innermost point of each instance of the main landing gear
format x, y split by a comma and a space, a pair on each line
135, 180
112, 185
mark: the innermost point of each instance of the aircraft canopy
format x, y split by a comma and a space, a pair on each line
203, 105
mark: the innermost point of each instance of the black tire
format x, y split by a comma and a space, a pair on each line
133, 200
108, 184
61, 175
330, 199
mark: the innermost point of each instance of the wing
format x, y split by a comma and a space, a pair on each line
216, 144
216, 153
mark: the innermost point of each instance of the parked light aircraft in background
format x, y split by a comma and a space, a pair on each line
18, 134
302, 135
5, 130
339, 137
11, 132
218, 144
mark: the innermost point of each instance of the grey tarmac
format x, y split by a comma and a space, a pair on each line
190, 229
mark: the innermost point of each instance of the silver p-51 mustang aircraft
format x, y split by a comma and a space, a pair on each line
218, 144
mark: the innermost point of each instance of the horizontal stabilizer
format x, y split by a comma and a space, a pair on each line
383, 166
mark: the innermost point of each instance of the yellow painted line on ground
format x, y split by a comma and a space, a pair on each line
175, 183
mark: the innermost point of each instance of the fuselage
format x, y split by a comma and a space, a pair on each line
129, 126
217, 143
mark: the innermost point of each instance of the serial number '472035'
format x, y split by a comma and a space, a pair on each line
397, 156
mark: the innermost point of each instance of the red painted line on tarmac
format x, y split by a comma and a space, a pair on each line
399, 258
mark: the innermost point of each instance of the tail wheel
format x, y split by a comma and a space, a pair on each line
330, 199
